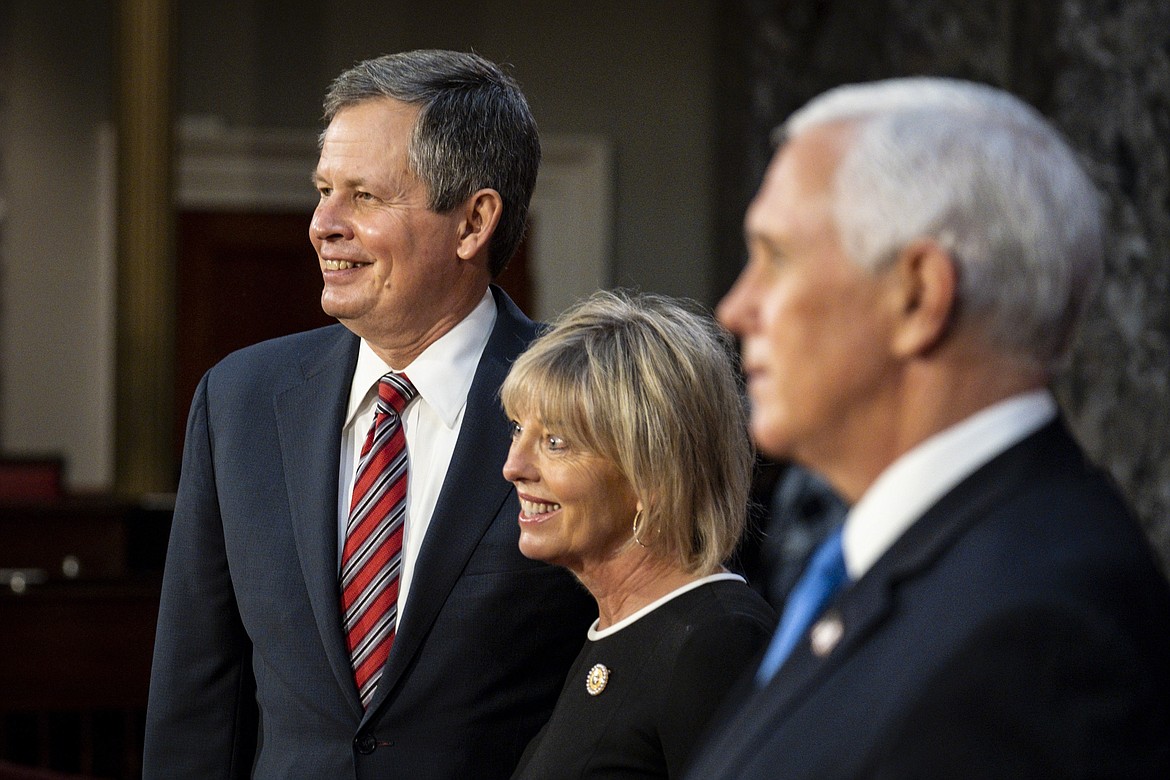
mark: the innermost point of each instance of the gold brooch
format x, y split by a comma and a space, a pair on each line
596, 679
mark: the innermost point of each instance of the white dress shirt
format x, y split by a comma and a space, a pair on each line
918, 479
442, 374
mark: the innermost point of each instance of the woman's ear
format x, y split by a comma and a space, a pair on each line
925, 285
481, 214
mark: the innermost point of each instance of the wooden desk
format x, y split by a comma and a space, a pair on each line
76, 643
77, 646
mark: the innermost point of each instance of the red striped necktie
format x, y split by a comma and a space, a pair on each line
372, 558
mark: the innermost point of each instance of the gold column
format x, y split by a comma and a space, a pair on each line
144, 364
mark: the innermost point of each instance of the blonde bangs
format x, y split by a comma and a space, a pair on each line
550, 382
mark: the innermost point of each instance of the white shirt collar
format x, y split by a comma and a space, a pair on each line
919, 478
442, 374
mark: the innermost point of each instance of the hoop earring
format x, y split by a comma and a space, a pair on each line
637, 518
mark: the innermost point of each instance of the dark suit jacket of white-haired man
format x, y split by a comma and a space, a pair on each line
919, 253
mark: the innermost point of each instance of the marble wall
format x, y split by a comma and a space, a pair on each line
1100, 69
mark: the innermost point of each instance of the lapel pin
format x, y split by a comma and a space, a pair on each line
596, 680
826, 634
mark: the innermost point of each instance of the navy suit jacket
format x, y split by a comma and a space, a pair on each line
1020, 628
251, 675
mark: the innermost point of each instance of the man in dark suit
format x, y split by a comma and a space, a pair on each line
919, 253
263, 668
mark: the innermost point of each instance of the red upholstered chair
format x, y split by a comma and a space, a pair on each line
30, 479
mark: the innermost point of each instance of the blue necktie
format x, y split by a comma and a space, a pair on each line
822, 578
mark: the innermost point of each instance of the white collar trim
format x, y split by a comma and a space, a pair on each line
595, 634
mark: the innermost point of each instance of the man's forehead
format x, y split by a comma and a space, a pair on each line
813, 155
799, 179
375, 120
366, 134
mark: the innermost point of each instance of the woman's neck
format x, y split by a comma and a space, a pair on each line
629, 582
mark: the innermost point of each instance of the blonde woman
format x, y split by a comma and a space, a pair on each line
631, 458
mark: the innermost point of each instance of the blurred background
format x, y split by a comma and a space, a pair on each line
154, 203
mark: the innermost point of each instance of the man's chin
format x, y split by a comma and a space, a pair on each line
339, 310
770, 444
346, 319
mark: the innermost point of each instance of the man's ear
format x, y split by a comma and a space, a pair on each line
481, 214
925, 283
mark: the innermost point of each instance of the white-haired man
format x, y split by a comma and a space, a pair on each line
919, 254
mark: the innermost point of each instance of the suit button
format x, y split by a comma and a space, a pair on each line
365, 744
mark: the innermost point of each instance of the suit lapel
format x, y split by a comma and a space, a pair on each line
864, 606
309, 417
472, 494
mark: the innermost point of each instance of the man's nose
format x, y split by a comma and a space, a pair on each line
329, 222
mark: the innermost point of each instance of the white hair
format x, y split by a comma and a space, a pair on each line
983, 174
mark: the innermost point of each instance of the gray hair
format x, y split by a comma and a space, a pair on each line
987, 177
474, 131
651, 385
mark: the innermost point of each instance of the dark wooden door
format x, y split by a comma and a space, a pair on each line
242, 278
